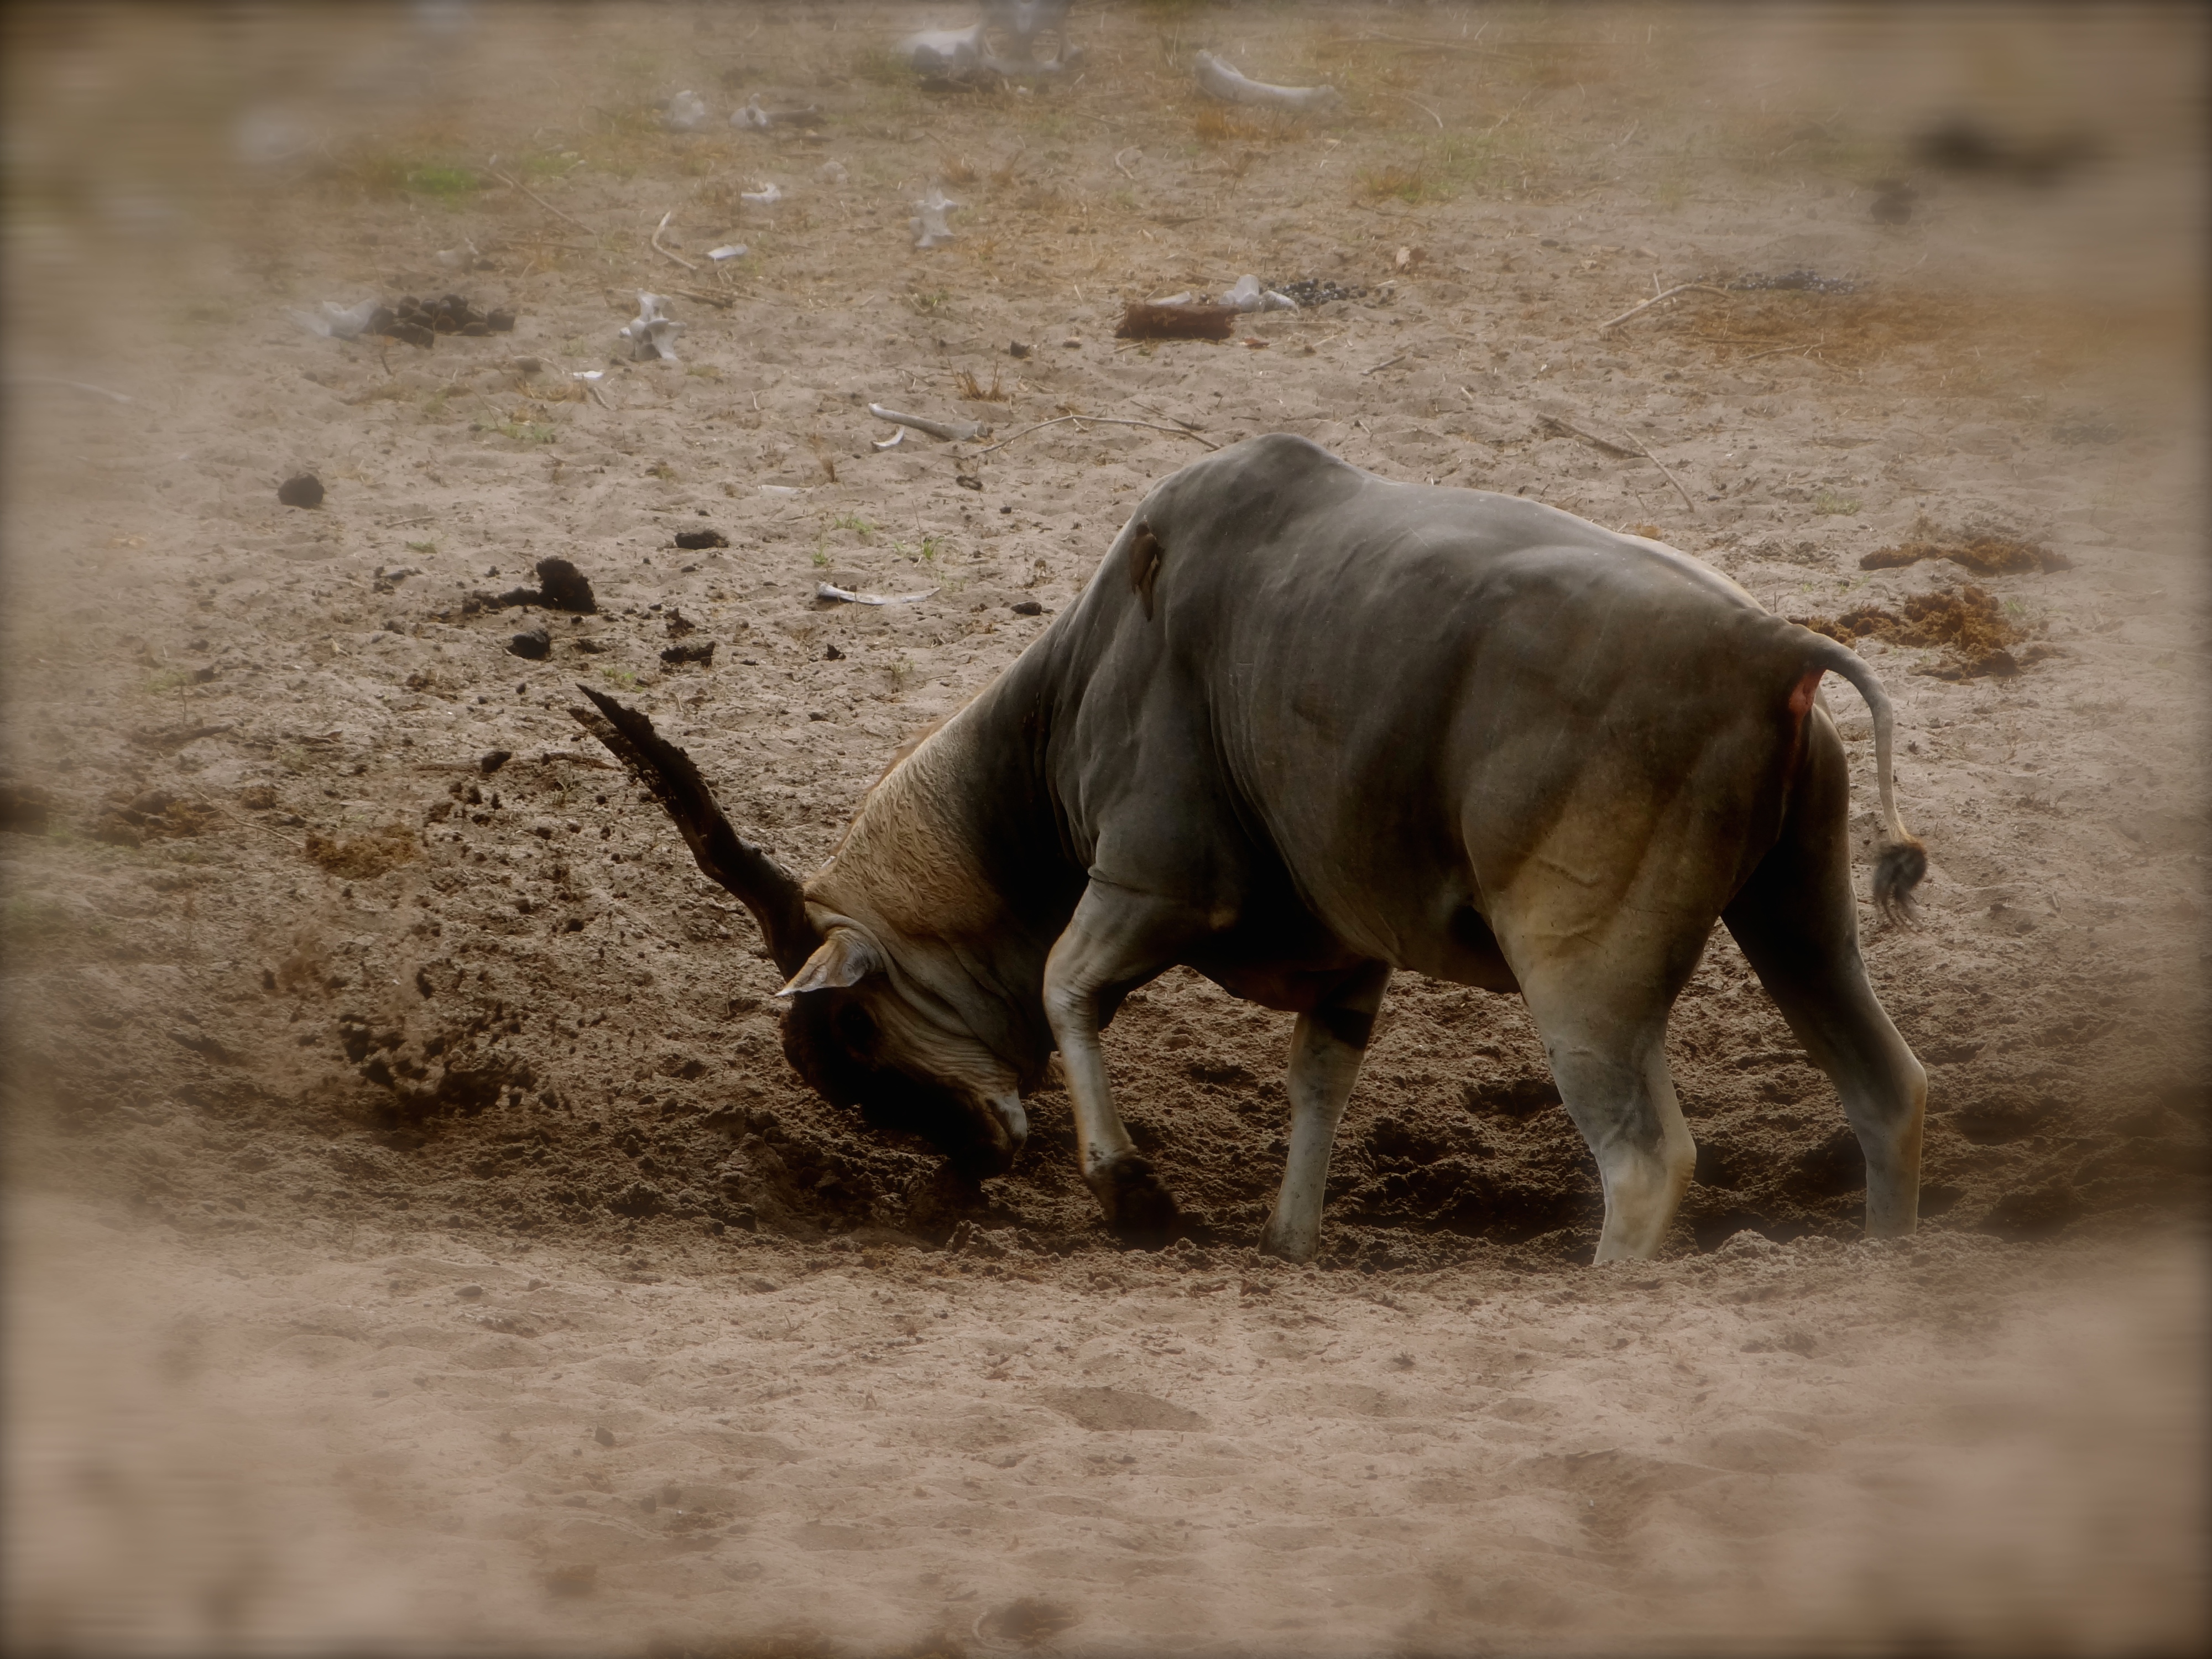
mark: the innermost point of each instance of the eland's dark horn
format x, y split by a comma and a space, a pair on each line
765, 887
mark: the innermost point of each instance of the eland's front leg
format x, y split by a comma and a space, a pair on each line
1326, 1051
1117, 938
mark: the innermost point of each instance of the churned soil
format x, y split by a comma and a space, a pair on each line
423, 1237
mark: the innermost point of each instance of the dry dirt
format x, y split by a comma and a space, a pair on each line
416, 1239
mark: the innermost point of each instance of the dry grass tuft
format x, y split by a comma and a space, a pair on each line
1214, 124
975, 390
1985, 552
1395, 179
1968, 626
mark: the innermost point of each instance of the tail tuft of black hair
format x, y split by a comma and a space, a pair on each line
1897, 869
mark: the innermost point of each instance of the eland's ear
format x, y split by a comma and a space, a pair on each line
847, 957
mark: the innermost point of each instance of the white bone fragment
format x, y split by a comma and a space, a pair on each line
1217, 80
944, 52
1014, 29
832, 173
733, 251
652, 334
951, 432
767, 196
1005, 40
826, 592
1247, 294
588, 374
338, 322
686, 112
928, 224
781, 489
1181, 299
891, 442
752, 115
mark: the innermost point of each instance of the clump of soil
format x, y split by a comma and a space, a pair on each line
1176, 322
359, 857
24, 808
561, 586
151, 815
410, 320
1968, 625
1987, 553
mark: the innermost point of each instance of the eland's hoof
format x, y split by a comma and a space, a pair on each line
1138, 1207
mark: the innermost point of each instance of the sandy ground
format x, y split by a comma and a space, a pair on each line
416, 1239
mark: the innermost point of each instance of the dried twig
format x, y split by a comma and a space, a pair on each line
1589, 438
1777, 350
1669, 476
1634, 446
252, 824
1425, 110
1442, 46
1188, 426
1118, 155
724, 300
1680, 288
543, 242
668, 254
542, 202
73, 385
1102, 420
1380, 366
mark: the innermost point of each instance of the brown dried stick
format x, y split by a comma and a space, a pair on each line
1680, 288
1590, 438
1102, 420
542, 202
1613, 448
1669, 476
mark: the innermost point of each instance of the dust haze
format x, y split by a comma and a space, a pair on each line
416, 1242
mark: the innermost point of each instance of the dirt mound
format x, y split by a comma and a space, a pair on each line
355, 857
1969, 626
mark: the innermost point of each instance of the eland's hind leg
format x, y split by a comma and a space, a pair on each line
1608, 1058
1599, 969
1796, 921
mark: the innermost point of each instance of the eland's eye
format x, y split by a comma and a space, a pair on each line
855, 1030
